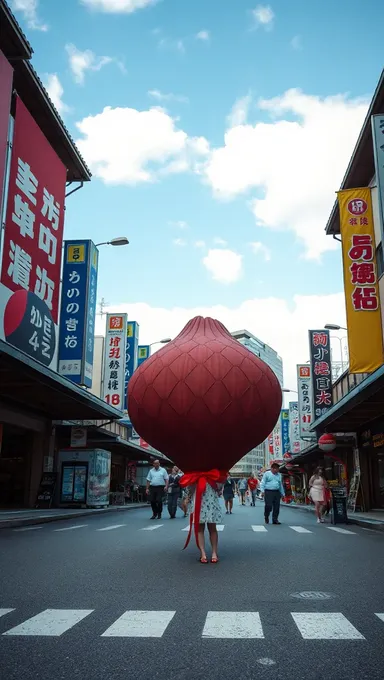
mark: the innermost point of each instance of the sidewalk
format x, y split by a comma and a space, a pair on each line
369, 520
21, 518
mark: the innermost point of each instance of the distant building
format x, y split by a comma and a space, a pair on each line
259, 456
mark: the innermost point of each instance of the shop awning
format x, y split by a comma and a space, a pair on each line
24, 383
360, 406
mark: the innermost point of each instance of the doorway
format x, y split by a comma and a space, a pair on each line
378, 478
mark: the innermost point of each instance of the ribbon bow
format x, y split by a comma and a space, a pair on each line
201, 479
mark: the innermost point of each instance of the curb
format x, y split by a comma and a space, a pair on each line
375, 525
12, 523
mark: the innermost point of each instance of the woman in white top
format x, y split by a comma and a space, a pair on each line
317, 491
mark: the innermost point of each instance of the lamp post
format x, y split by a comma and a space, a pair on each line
336, 327
161, 342
118, 241
286, 389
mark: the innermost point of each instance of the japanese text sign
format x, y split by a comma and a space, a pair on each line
277, 445
294, 427
305, 400
78, 309
285, 431
362, 301
32, 247
114, 360
131, 355
320, 353
144, 352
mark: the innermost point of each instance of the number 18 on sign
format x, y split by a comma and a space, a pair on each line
114, 360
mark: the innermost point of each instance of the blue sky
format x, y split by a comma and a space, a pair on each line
223, 206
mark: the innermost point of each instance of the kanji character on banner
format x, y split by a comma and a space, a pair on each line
26, 181
20, 266
23, 216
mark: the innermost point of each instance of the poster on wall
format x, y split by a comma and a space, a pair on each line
99, 477
32, 245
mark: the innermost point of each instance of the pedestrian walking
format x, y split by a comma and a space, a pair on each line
229, 494
210, 515
272, 488
242, 488
173, 491
253, 483
318, 492
157, 485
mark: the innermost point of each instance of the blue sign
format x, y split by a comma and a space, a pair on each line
285, 431
131, 356
144, 352
77, 313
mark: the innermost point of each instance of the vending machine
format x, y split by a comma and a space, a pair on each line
85, 477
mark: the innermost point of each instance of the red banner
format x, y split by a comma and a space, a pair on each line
6, 78
32, 249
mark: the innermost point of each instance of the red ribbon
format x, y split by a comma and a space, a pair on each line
201, 479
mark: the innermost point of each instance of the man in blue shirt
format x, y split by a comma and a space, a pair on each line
272, 488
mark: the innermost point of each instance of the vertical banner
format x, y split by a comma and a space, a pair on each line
362, 301
304, 389
294, 427
285, 431
277, 447
144, 352
131, 355
32, 247
6, 79
377, 123
320, 354
78, 309
114, 360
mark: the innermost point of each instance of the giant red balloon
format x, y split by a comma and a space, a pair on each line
204, 400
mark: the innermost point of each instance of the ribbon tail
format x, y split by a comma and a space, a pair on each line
189, 532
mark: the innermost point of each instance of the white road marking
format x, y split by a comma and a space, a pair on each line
3, 612
51, 622
143, 624
220, 527
114, 526
34, 528
333, 626
381, 616
301, 530
152, 528
266, 662
258, 527
76, 526
186, 528
233, 625
341, 531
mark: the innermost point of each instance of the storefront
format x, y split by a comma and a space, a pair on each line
371, 441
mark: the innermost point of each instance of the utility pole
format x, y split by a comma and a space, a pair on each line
102, 305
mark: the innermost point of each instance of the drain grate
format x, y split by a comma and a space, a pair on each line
313, 595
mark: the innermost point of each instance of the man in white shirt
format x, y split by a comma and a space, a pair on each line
157, 485
272, 489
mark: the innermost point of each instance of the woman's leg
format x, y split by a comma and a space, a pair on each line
321, 512
226, 505
230, 503
317, 509
201, 541
214, 538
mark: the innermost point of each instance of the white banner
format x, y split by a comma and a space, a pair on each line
294, 427
277, 443
114, 360
305, 400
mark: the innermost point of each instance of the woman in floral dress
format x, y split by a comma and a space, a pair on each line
210, 515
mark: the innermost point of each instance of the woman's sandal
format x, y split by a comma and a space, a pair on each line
214, 560
203, 560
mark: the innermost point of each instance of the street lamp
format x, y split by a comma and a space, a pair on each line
161, 342
334, 327
286, 389
118, 241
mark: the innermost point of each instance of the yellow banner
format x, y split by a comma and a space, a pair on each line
362, 300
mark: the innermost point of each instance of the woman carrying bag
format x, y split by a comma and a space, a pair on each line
318, 492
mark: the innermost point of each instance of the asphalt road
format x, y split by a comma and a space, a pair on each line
113, 597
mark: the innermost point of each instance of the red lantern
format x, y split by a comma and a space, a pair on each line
327, 443
204, 400
287, 456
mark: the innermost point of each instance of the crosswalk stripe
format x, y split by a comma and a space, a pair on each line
152, 528
233, 625
140, 624
220, 527
3, 612
301, 530
258, 528
29, 528
51, 622
381, 616
75, 526
334, 626
114, 526
341, 531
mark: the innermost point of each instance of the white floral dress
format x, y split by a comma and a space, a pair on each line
210, 505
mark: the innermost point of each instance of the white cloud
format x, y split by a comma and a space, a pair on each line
259, 247
126, 146
170, 97
82, 61
225, 266
29, 10
295, 163
296, 43
118, 6
220, 241
204, 36
179, 242
199, 244
176, 44
264, 317
263, 15
239, 113
55, 90
179, 224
